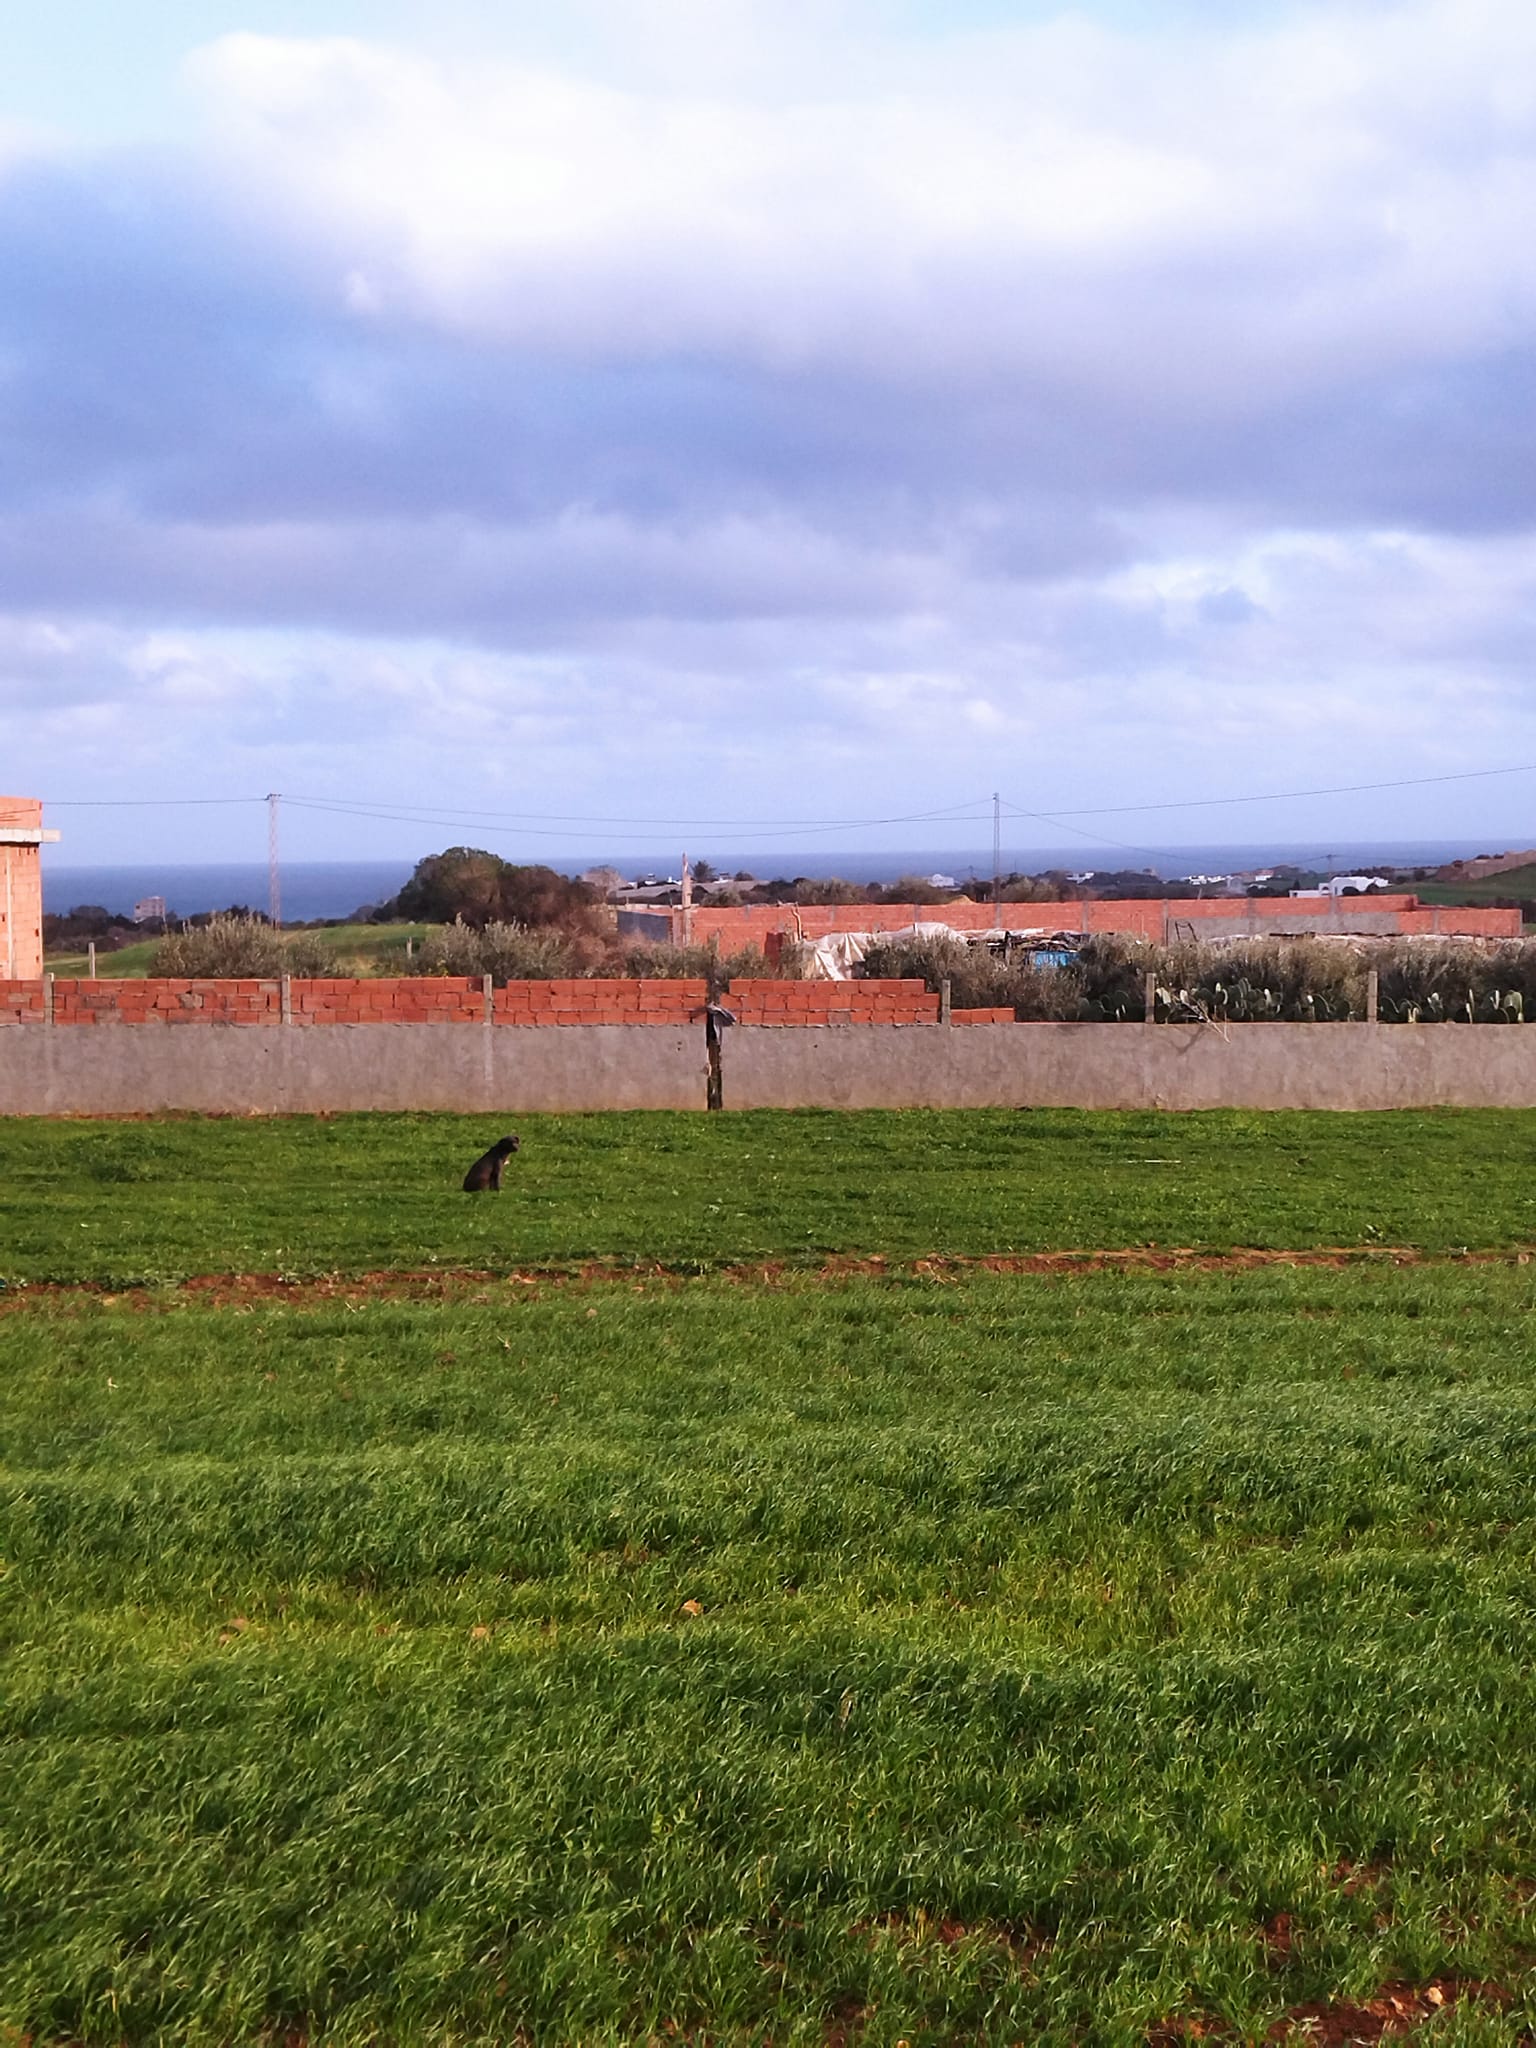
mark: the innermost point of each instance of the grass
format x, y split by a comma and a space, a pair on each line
360, 949
949, 1655
1517, 883
144, 1200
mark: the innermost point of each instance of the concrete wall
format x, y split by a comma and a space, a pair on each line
119, 1068
122, 1069
1132, 1066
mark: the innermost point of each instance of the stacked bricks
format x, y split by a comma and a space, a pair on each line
832, 1002
21, 1002
165, 1002
427, 999
755, 924
446, 999
1001, 1016
1483, 923
598, 1001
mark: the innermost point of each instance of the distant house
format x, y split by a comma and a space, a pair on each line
1347, 885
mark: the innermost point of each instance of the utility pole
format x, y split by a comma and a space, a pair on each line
687, 902
274, 879
996, 859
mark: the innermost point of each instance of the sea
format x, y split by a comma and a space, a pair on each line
316, 890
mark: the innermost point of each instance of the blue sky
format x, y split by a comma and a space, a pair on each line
712, 410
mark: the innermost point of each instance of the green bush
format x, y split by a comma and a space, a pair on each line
648, 961
506, 952
1457, 984
978, 979
1297, 981
238, 948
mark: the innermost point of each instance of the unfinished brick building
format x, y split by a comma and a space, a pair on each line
21, 887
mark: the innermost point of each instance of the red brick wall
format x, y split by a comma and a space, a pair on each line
408, 1000
164, 1002
832, 1002
600, 1002
1459, 919
752, 924
21, 1002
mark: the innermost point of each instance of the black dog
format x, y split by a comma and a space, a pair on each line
486, 1171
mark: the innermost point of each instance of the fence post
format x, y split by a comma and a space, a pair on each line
487, 1000
1372, 991
285, 997
90, 954
944, 1000
1150, 986
47, 998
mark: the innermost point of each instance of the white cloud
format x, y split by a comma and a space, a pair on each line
830, 409
1278, 207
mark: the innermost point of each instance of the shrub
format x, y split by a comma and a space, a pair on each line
506, 952
229, 948
979, 979
1435, 984
1299, 981
483, 889
707, 963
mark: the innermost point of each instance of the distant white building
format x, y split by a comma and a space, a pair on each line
1347, 885
149, 907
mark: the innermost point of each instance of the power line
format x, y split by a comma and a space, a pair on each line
141, 803
663, 832
1280, 796
547, 824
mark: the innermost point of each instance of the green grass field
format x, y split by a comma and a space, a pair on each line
588, 1616
1519, 883
358, 948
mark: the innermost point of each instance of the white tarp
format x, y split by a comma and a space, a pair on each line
835, 957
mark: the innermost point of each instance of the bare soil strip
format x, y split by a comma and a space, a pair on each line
459, 1283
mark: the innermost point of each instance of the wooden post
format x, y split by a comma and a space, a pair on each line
90, 954
487, 999
944, 1000
1372, 992
285, 997
1151, 995
47, 998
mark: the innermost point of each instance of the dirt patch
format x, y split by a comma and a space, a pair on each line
1393, 2013
458, 1283
1396, 2010
1023, 1944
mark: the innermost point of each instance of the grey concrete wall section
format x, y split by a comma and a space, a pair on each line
122, 1069
1131, 1066
1275, 923
234, 1069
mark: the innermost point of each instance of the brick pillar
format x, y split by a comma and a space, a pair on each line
21, 887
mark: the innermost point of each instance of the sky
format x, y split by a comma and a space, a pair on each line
686, 422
